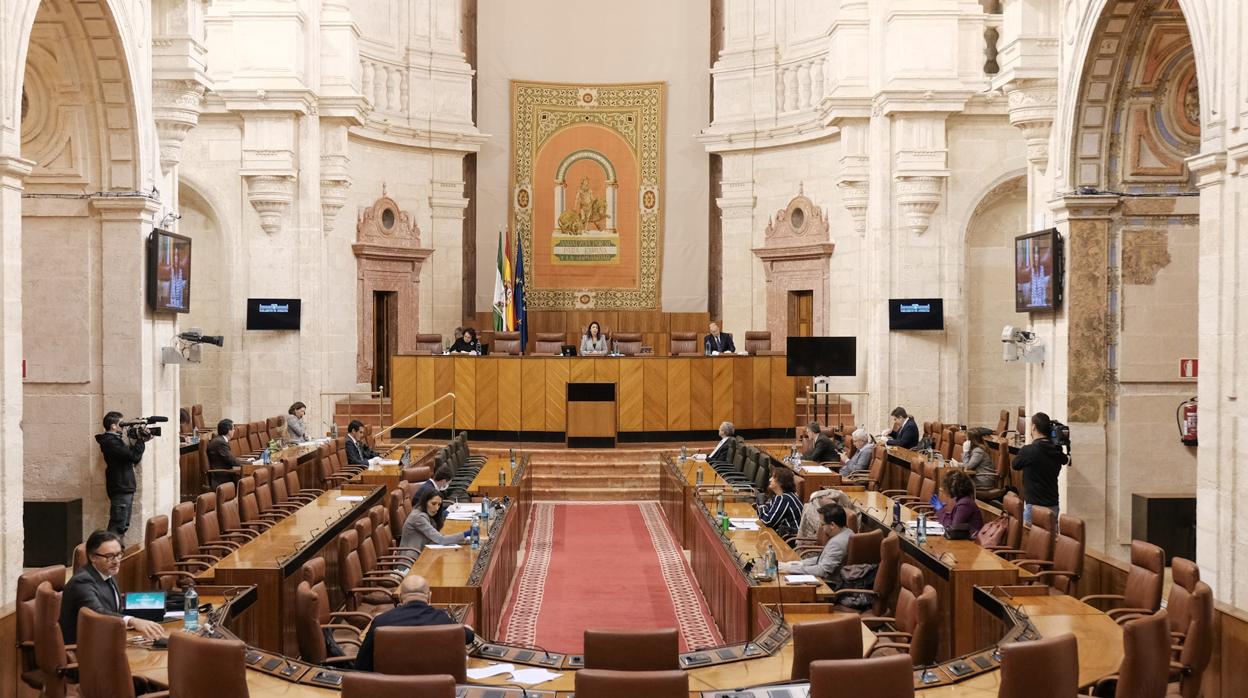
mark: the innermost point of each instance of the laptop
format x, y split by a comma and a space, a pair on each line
148, 605
567, 350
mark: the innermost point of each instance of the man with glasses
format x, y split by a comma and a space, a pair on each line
95, 587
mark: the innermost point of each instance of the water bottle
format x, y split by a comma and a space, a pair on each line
896, 513
406, 459
485, 508
190, 610
697, 477
920, 531
474, 533
770, 561
794, 459
719, 504
512, 452
502, 477
724, 524
264, 457
684, 453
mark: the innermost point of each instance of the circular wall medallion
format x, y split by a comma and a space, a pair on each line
797, 218
387, 219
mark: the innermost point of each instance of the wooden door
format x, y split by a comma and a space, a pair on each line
801, 313
385, 337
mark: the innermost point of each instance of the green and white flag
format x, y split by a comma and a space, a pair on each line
500, 289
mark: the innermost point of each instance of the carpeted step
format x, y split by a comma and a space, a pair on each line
595, 494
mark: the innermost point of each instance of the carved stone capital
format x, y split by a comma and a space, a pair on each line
854, 197
271, 195
176, 106
335, 182
918, 197
1032, 104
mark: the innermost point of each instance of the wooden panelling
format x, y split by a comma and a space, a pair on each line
655, 417
487, 397
654, 325
742, 382
443, 383
678, 394
606, 370
556, 393
465, 392
405, 400
509, 398
700, 380
630, 395
533, 395
582, 371
761, 395
425, 392
783, 397
721, 390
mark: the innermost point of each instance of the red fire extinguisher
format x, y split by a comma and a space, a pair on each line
1186, 418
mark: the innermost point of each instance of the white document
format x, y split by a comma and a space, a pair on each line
933, 527
442, 547
800, 579
468, 507
699, 456
383, 461
816, 469
744, 524
459, 515
486, 672
532, 677
351, 498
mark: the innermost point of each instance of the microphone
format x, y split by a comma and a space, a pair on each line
548, 658
523, 691
952, 559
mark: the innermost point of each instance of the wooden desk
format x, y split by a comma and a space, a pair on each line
272, 560
514, 393
485, 484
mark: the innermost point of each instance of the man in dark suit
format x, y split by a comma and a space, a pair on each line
727, 432
121, 455
358, 452
414, 610
439, 483
219, 455
816, 446
905, 432
95, 587
718, 342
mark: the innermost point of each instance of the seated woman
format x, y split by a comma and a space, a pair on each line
295, 430
593, 343
783, 509
467, 344
961, 507
422, 527
977, 460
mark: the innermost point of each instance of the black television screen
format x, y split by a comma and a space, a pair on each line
822, 356
273, 313
916, 314
168, 272
1038, 271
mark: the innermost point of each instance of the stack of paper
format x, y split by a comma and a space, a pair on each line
800, 579
747, 524
351, 498
528, 676
933, 527
816, 469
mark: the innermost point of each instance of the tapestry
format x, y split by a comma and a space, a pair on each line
586, 193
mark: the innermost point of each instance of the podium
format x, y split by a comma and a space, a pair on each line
591, 415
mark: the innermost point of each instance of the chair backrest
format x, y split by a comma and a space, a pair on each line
207, 523
837, 638
684, 343
883, 677
1146, 576
1198, 645
864, 548
197, 416
925, 635
441, 651
228, 515
548, 343
201, 667
367, 547
416, 473
507, 343
248, 506
429, 344
350, 571
1039, 544
628, 343
255, 439
313, 572
49, 652
308, 612
1145, 668
1040, 668
1021, 425
757, 340
264, 492
928, 488
1068, 550
632, 650
605, 683
906, 612
27, 585
158, 554
1012, 504
367, 685
887, 575
103, 670
398, 513
914, 484
1003, 423
879, 458
185, 536
1186, 575
277, 483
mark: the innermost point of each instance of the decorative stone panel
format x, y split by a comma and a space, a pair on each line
795, 256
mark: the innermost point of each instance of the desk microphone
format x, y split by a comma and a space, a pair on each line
523, 691
543, 649
952, 559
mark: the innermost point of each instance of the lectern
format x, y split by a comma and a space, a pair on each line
591, 415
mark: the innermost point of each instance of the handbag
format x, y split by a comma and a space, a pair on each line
994, 532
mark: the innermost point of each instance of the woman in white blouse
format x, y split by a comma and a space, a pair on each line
593, 343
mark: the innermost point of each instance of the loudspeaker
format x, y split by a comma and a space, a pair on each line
53, 528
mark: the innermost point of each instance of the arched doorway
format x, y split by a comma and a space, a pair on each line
208, 383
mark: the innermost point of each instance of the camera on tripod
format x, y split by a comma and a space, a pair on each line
140, 429
1059, 434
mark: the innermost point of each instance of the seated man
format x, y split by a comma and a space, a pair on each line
861, 460
95, 587
219, 455
829, 559
816, 446
358, 452
727, 432
413, 610
438, 483
905, 431
718, 342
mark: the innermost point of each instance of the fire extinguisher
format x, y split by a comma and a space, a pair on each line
1186, 418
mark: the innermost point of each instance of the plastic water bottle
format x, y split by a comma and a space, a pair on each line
512, 452
719, 504
920, 531
485, 508
794, 460
474, 533
770, 561
896, 513
684, 453
406, 459
190, 610
265, 458
502, 476
697, 477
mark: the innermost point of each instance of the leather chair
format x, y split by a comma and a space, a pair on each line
365, 593
1040, 668
49, 652
384, 538
249, 503
1000, 459
548, 343
230, 513
327, 468
313, 572
429, 344
103, 669
874, 475
684, 344
1003, 424
886, 576
837, 638
1145, 668
931, 474
186, 543
885, 677
80, 557
913, 626
27, 585
210, 477
757, 340
264, 495
1063, 573
441, 651
294, 486
632, 650
914, 483
507, 343
201, 667
1039, 542
163, 570
282, 494
310, 631
366, 685
604, 683
1185, 575
208, 524
197, 416
1142, 595
371, 562
416, 473
628, 343
1197, 647
1012, 506
864, 548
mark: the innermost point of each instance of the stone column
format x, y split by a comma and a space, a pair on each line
1032, 106
737, 208
444, 294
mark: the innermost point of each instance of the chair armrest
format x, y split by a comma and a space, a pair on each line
179, 574
1033, 563
1102, 597
890, 493
235, 538
208, 558
343, 626
1048, 574
893, 633
846, 592
217, 546
1117, 613
882, 620
902, 647
406, 550
1008, 552
199, 565
333, 661
365, 590
351, 614
245, 532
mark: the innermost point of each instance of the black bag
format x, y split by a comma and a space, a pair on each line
332, 648
855, 577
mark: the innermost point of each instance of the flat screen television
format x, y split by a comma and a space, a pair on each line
1038, 271
273, 313
916, 314
822, 356
168, 272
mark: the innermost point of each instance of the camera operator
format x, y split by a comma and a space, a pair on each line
1041, 462
121, 453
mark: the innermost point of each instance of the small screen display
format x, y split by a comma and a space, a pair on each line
273, 313
916, 314
1037, 271
145, 600
169, 272
822, 356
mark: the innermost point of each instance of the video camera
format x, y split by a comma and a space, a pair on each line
140, 429
1059, 434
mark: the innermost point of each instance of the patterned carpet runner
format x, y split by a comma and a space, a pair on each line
603, 566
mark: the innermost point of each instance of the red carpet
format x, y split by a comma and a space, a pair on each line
603, 566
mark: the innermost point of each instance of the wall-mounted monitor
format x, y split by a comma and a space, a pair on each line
273, 313
916, 314
822, 356
1038, 271
168, 272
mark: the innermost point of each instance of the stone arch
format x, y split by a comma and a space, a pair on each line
208, 382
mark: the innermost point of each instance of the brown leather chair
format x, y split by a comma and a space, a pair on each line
1197, 647
293, 484
1003, 424
80, 557
249, 503
313, 572
1145, 668
884, 677
864, 548
366, 685
384, 538
197, 416
1143, 591
282, 493
1064, 571
1001, 461
506, 343
365, 593
1039, 539
186, 543
914, 483
931, 473
208, 524
103, 669
548, 343
1045, 667
201, 667
627, 343
27, 585
209, 476
605, 683
264, 494
371, 562
50, 655
1185, 576
429, 344
416, 473
632, 650
230, 514
441, 651
163, 570
757, 340
886, 575
1012, 506
840, 637
684, 344
328, 469
913, 627
310, 631
875, 471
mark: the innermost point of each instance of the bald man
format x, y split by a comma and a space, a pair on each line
413, 609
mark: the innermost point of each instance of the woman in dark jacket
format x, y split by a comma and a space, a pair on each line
467, 344
960, 506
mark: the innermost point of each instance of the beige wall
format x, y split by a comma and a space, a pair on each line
598, 41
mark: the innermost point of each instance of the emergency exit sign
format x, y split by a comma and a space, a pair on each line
1189, 368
